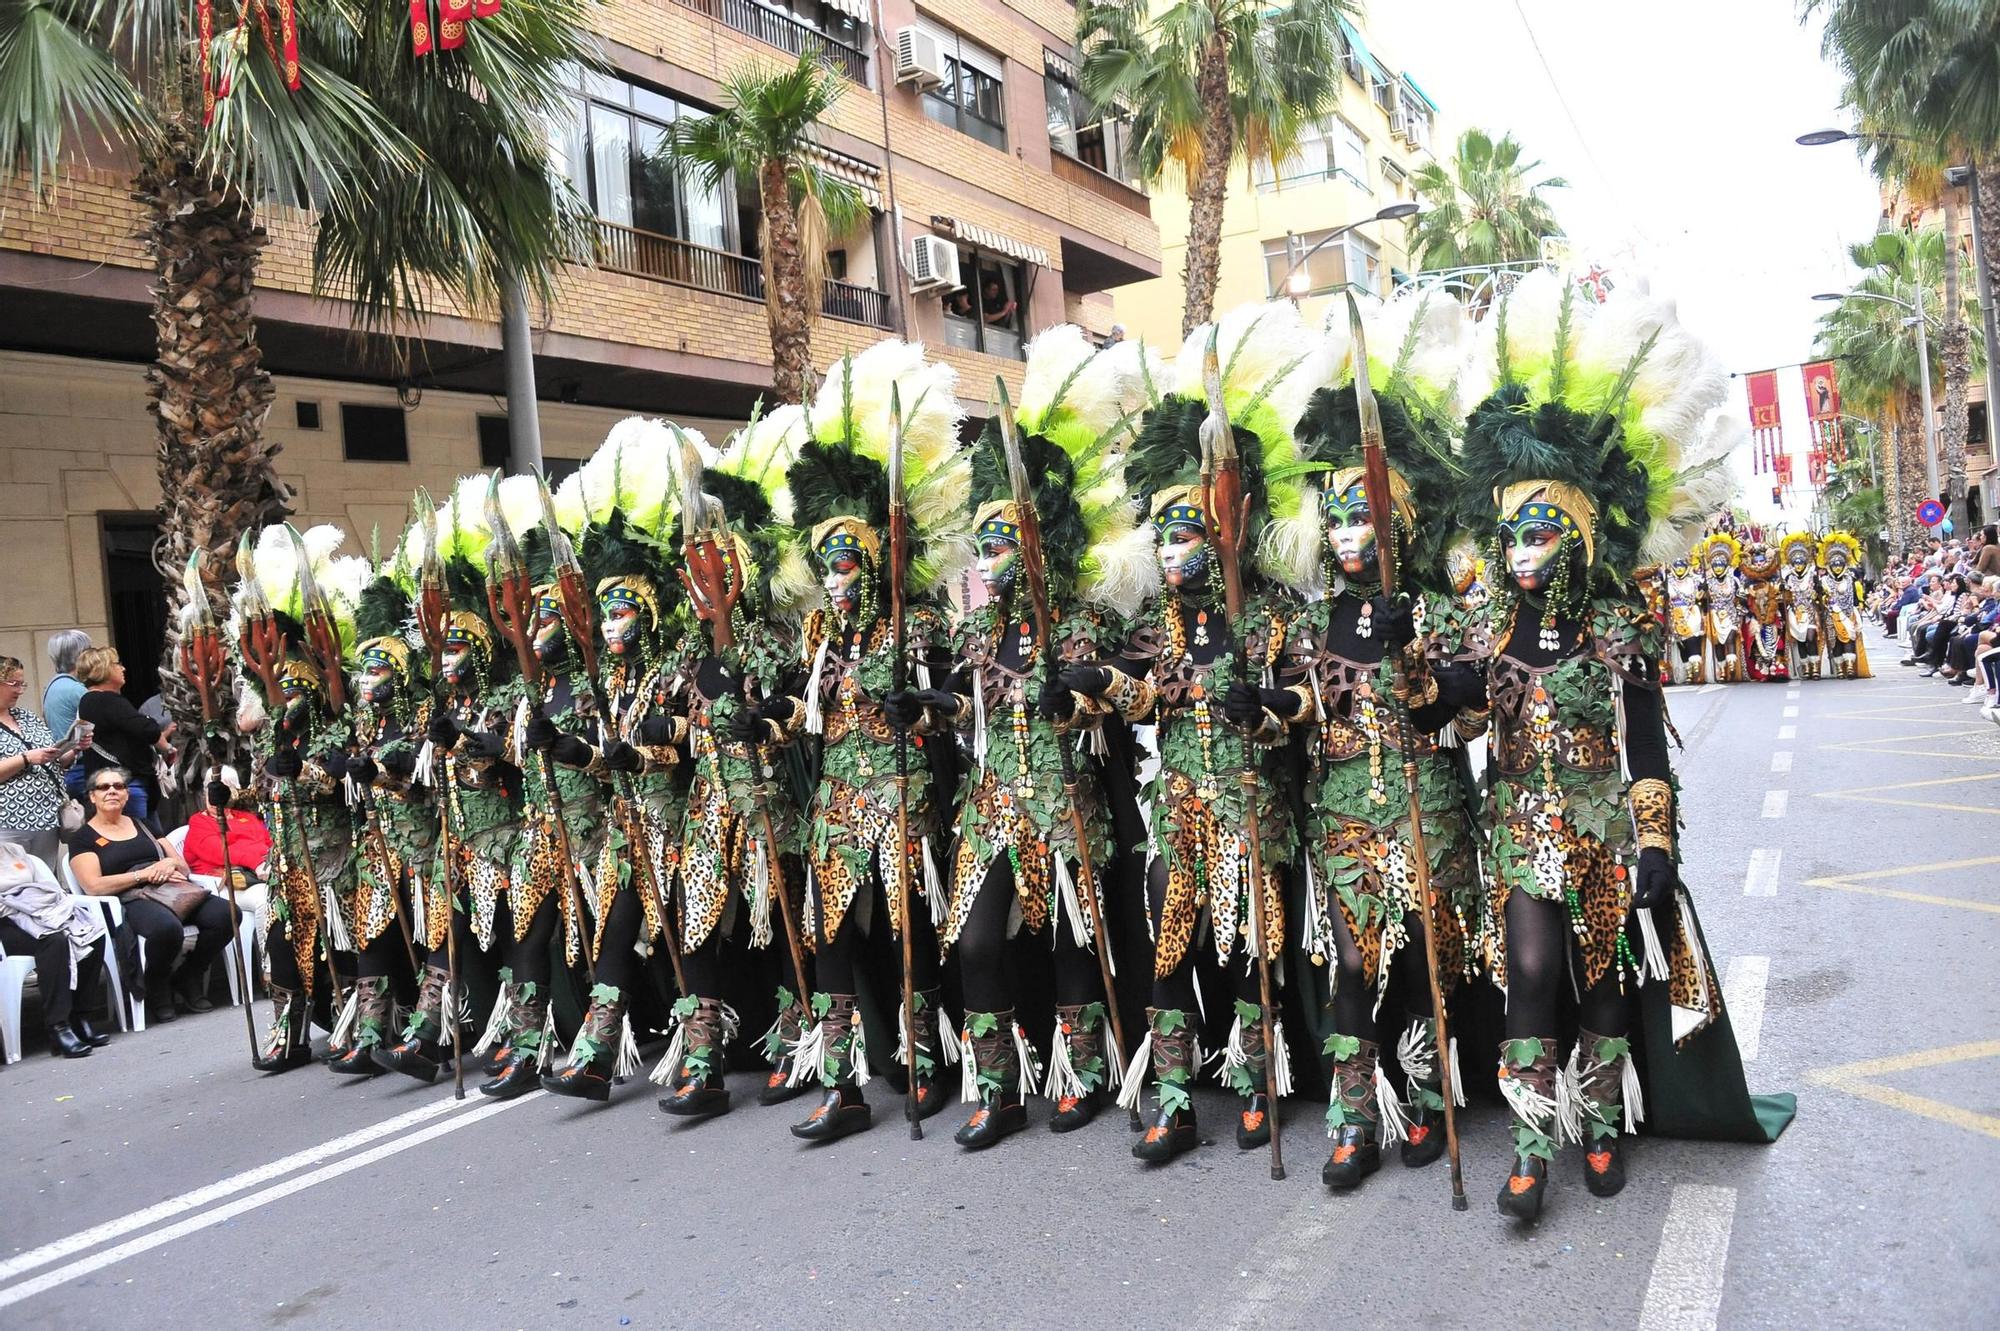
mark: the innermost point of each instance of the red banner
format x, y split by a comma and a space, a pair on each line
451, 27
420, 27
485, 8
288, 37
1823, 408
1767, 436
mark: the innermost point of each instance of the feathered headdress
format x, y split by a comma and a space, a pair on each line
749, 484
1840, 540
621, 505
1270, 362
839, 481
1079, 410
1795, 540
1599, 408
384, 626
1704, 550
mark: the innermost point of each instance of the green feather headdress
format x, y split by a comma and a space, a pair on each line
620, 507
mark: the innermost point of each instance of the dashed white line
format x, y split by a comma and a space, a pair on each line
1743, 990
1761, 880
1774, 803
1792, 692
1685, 1290
1781, 760
1788, 732
1790, 712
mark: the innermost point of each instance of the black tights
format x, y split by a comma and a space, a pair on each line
833, 961
528, 959
618, 963
1538, 940
1176, 989
986, 957
1354, 998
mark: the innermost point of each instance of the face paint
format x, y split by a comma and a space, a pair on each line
375, 682
620, 625
1531, 545
1350, 533
999, 564
1461, 565
459, 663
1184, 551
1799, 556
1719, 559
1836, 560
844, 571
551, 634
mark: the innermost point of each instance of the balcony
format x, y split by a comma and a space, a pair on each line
621, 249
1081, 173
784, 32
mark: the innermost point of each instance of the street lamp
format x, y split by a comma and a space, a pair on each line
1923, 363
1298, 283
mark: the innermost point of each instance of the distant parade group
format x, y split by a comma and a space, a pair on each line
1123, 742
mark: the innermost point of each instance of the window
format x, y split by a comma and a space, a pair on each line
608, 146
1397, 181
1352, 261
1079, 130
373, 434
493, 444
972, 98
1331, 148
988, 313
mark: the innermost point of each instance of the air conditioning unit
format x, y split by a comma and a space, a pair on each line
1399, 123
918, 59
933, 264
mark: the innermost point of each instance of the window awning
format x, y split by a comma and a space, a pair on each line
1060, 66
974, 234
864, 176
854, 9
1360, 49
1411, 85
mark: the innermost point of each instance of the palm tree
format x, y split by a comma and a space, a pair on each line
1486, 209
430, 181
765, 132
1207, 83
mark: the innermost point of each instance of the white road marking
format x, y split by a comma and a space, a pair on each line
1743, 988
1792, 692
1706, 688
1784, 732
62, 1275
1781, 760
1774, 803
1762, 878
1790, 712
1685, 1291
187, 1201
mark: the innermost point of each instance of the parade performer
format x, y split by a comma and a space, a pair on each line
620, 505
1799, 595
1589, 461
1764, 655
883, 419
1840, 603
1722, 598
393, 819
312, 845
477, 790
1365, 899
745, 581
1064, 560
1219, 833
1682, 586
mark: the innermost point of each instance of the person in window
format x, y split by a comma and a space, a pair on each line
999, 307
959, 304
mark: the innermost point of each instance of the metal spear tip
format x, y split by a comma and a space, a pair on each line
895, 445
1218, 441
1010, 445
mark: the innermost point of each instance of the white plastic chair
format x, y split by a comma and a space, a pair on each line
14, 972
246, 928
130, 1016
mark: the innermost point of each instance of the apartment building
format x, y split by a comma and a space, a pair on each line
1011, 212
1277, 225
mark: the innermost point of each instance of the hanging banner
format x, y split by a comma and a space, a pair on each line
1767, 436
1823, 408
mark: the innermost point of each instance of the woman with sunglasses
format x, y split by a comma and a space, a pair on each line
31, 790
113, 854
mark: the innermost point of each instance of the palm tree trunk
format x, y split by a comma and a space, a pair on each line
788, 306
207, 388
1208, 190
1955, 355
1910, 473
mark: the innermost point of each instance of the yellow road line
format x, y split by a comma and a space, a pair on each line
1850, 1078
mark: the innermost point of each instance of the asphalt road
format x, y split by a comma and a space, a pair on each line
1842, 844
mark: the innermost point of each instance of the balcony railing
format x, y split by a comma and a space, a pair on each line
1097, 182
622, 249
784, 32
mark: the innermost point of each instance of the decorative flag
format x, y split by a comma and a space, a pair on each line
204, 26
420, 27
453, 15
1767, 436
1823, 408
288, 37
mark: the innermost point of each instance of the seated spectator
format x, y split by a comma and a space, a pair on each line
123, 737
249, 844
1963, 647
113, 854
1910, 591
66, 937
1956, 610
31, 784
63, 693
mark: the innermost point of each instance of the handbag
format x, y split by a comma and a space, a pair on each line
183, 899
70, 814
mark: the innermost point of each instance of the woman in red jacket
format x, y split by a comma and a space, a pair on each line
249, 847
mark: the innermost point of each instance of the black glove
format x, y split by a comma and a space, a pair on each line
1245, 704
481, 744
1090, 681
779, 708
570, 751
656, 730
443, 731
363, 770
622, 757
1656, 878
902, 709
333, 762
1395, 619
285, 763
1056, 703
744, 725
401, 764
540, 734
218, 797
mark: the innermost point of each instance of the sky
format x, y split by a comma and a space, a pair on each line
1677, 144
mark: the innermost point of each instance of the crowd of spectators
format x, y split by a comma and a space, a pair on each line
1944, 605
79, 825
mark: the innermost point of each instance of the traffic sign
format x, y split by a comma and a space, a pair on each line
1930, 512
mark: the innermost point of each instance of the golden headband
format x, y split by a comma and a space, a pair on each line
846, 533
467, 629
1179, 503
389, 651
630, 590
1346, 478
1000, 517
1567, 499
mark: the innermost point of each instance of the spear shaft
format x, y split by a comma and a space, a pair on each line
899, 521
431, 610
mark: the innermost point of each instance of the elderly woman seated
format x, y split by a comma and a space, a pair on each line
67, 940
113, 854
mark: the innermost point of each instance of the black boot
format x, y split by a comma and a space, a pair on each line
1249, 1068
842, 1109
345, 991
930, 1097
495, 1049
995, 1063
1528, 1081
66, 1043
1423, 1141
1172, 1130
780, 1085
698, 1088
594, 1058
1598, 1064
527, 1051
1079, 1047
285, 1044
191, 989
374, 1010
1354, 1116
88, 1033
423, 1049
